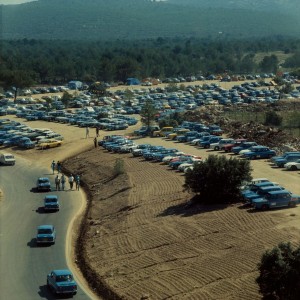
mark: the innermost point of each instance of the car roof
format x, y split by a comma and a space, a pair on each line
45, 226
266, 188
43, 178
62, 272
265, 183
278, 192
51, 197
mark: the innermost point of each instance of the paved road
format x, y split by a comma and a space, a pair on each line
23, 266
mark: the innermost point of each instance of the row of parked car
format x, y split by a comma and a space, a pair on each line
260, 193
264, 194
16, 134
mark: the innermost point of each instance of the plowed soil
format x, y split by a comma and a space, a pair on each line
145, 238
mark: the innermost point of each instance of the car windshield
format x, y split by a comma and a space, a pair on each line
45, 231
62, 278
43, 181
50, 200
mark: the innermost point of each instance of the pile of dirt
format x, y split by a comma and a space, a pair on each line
275, 138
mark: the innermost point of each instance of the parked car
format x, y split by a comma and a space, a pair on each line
49, 144
293, 166
163, 132
276, 199
45, 234
244, 146
237, 143
261, 192
61, 282
51, 203
285, 154
43, 184
253, 188
259, 152
280, 162
222, 142
207, 142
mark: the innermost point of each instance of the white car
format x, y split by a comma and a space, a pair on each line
183, 166
222, 142
293, 165
168, 158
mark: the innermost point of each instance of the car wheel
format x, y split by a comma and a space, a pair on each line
253, 157
293, 168
216, 148
292, 204
47, 147
206, 146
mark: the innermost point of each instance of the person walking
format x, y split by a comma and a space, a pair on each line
58, 167
95, 142
87, 132
57, 183
77, 182
63, 181
53, 166
97, 131
71, 181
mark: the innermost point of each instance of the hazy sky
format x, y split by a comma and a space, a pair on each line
14, 1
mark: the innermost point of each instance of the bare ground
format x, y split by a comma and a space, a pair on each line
144, 238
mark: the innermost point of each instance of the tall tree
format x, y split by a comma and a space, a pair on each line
148, 113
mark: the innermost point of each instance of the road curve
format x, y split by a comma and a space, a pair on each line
23, 266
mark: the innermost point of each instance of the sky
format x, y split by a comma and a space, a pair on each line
14, 1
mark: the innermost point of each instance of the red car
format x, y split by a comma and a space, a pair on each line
228, 147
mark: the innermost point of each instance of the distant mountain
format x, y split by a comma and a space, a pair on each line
143, 19
287, 6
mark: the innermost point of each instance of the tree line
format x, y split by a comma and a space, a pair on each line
57, 62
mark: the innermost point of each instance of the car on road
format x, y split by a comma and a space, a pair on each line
46, 234
51, 143
61, 282
51, 203
276, 199
43, 184
7, 159
259, 152
293, 166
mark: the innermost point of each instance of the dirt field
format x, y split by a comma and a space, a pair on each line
144, 239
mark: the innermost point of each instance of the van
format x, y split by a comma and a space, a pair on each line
7, 159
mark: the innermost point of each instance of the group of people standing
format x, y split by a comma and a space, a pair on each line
60, 180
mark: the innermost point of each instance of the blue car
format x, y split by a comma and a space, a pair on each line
284, 155
261, 192
46, 234
61, 282
43, 184
246, 145
276, 199
253, 188
280, 162
259, 152
51, 203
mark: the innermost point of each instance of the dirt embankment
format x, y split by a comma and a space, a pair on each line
143, 240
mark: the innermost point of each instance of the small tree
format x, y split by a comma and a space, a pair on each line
279, 270
119, 167
148, 113
65, 99
218, 179
273, 118
128, 95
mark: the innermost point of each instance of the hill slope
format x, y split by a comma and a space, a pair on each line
138, 19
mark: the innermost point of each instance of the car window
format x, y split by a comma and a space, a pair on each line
44, 231
62, 278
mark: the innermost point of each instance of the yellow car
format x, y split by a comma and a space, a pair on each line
173, 135
51, 143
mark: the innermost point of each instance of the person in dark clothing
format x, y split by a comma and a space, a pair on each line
95, 142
